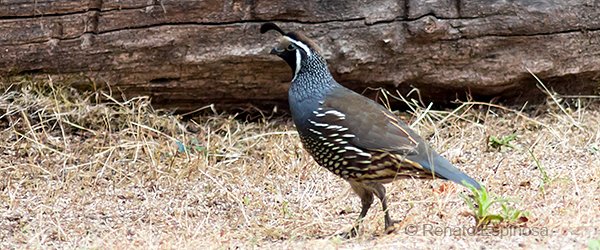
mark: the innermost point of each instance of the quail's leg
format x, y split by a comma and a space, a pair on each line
366, 199
380, 193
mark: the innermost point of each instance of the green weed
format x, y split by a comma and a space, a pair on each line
481, 203
546, 179
504, 141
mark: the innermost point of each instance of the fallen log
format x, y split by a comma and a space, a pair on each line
187, 54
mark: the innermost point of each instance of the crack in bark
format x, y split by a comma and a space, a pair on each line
458, 6
406, 8
95, 31
380, 22
96, 5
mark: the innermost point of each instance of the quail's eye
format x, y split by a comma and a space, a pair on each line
291, 47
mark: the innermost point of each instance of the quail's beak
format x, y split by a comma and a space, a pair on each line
277, 50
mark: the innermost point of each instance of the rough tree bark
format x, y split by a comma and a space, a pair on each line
187, 54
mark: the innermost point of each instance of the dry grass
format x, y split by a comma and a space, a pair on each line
79, 173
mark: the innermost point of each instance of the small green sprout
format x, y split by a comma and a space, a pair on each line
481, 203
504, 141
546, 179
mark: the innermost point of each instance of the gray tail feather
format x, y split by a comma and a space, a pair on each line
445, 170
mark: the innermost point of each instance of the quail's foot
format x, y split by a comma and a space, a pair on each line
392, 226
349, 234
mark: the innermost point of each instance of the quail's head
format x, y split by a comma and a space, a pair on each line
293, 47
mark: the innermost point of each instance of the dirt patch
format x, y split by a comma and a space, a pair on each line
77, 172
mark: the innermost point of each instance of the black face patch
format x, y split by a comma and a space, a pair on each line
289, 55
293, 52
290, 58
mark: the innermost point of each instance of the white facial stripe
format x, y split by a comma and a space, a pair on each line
298, 64
300, 44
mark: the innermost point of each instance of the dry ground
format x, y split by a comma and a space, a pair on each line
79, 173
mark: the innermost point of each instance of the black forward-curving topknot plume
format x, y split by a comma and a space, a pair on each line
271, 26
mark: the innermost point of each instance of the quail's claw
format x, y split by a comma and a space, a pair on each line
349, 234
391, 226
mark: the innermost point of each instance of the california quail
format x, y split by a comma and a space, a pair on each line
351, 135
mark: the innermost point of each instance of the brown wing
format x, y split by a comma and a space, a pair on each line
374, 127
